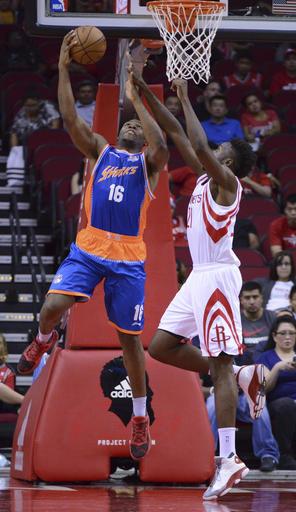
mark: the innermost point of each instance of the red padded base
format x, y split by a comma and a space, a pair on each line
67, 432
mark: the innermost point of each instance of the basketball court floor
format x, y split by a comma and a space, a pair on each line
273, 493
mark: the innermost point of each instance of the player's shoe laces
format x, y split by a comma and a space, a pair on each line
31, 357
140, 443
229, 471
252, 381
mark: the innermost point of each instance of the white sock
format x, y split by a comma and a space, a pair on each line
226, 441
139, 406
44, 337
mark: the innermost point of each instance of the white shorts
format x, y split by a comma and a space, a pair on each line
208, 305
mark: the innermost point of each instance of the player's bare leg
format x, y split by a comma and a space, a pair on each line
134, 362
169, 349
53, 309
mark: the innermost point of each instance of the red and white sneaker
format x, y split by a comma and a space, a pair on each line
251, 379
140, 442
229, 471
31, 356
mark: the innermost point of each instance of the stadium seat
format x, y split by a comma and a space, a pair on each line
46, 151
276, 158
44, 136
54, 169
265, 248
250, 257
287, 174
257, 206
288, 190
28, 78
290, 118
277, 141
235, 95
253, 273
284, 98
263, 221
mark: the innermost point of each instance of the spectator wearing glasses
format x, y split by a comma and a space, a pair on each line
277, 288
281, 387
282, 231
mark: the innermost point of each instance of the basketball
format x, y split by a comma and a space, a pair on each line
91, 45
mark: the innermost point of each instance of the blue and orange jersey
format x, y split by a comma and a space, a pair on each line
116, 201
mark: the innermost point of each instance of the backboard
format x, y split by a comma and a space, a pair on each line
254, 20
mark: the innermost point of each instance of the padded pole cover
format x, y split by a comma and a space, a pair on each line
76, 416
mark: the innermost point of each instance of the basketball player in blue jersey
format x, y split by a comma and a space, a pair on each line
208, 302
111, 247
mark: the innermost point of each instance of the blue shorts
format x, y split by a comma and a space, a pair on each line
124, 286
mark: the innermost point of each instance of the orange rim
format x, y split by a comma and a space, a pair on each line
205, 7
154, 44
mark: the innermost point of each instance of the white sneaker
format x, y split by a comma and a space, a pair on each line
251, 379
229, 471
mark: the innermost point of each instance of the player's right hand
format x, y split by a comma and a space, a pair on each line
69, 41
180, 86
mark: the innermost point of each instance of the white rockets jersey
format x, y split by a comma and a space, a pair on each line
210, 226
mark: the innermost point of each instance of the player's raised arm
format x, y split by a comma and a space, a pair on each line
170, 125
85, 140
219, 172
157, 152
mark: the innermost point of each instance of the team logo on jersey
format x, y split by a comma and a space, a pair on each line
133, 158
58, 278
114, 172
115, 385
220, 337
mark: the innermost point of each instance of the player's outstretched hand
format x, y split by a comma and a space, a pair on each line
130, 88
69, 41
180, 86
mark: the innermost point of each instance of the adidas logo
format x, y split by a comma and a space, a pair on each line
122, 390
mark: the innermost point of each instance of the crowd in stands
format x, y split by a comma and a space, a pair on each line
242, 99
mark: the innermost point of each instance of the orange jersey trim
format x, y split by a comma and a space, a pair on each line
63, 292
124, 330
111, 246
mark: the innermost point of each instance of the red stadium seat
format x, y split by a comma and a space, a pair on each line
288, 190
257, 206
250, 257
284, 98
253, 273
290, 118
235, 95
287, 174
277, 141
54, 169
46, 151
263, 221
26, 78
265, 247
276, 158
44, 136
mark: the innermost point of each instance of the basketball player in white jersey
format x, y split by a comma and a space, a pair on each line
208, 303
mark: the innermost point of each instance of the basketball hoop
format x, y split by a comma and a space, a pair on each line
188, 28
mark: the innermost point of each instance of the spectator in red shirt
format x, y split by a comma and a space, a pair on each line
282, 231
243, 74
7, 376
183, 180
257, 183
258, 122
285, 80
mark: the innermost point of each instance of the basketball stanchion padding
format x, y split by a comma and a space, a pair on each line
76, 417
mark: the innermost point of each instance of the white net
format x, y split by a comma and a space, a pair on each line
188, 30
